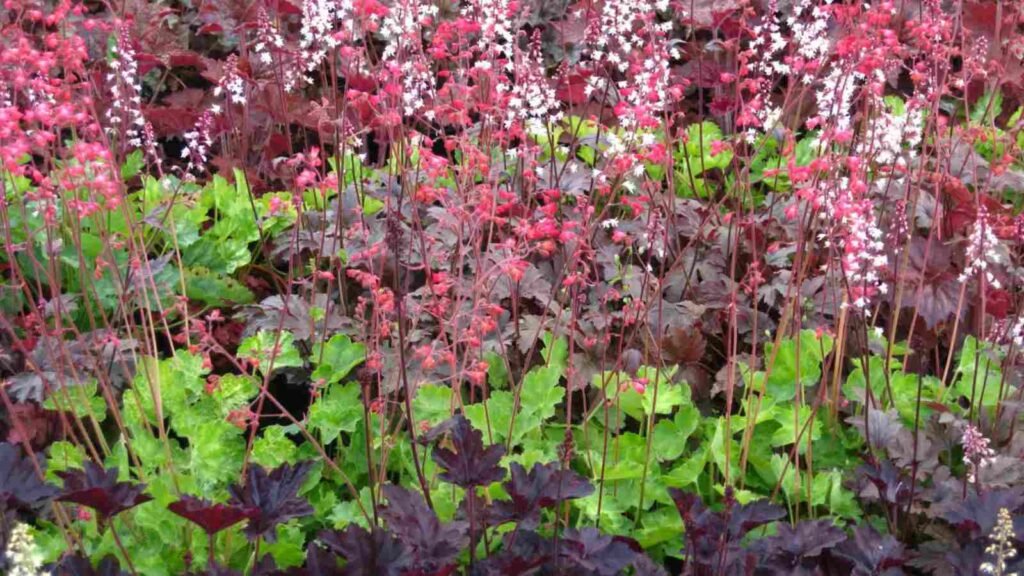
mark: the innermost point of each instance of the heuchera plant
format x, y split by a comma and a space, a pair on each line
511, 286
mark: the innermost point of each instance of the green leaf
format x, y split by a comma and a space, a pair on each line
556, 351
497, 372
133, 164
216, 450
289, 549
273, 447
689, 471
338, 409
234, 391
63, 456
347, 512
895, 105
979, 372
433, 403
340, 356
791, 425
261, 348
498, 415
718, 448
827, 491
371, 205
670, 435
539, 397
788, 364
669, 394
81, 400
214, 288
987, 108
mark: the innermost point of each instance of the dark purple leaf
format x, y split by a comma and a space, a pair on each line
542, 487
20, 484
746, 517
713, 539
366, 553
645, 566
796, 549
587, 551
274, 495
218, 570
433, 546
871, 553
522, 553
212, 518
77, 565
700, 521
976, 514
98, 488
893, 486
468, 463
320, 561
7, 520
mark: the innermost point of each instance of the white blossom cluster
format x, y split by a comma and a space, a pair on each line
864, 253
1002, 546
617, 34
892, 138
835, 96
769, 45
267, 38
316, 36
625, 28
22, 556
1017, 333
532, 99
126, 91
982, 253
401, 27
231, 84
977, 452
198, 142
810, 36
498, 27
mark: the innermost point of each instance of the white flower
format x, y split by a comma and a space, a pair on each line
982, 250
23, 558
610, 223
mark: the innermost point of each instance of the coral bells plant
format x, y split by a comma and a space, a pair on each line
511, 286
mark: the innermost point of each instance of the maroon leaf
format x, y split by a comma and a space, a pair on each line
275, 497
434, 546
20, 484
97, 488
542, 487
871, 552
78, 565
211, 517
590, 552
374, 553
470, 463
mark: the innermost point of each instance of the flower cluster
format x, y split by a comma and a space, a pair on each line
982, 250
23, 557
977, 452
316, 36
863, 253
531, 99
198, 142
125, 110
231, 84
268, 39
1002, 547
